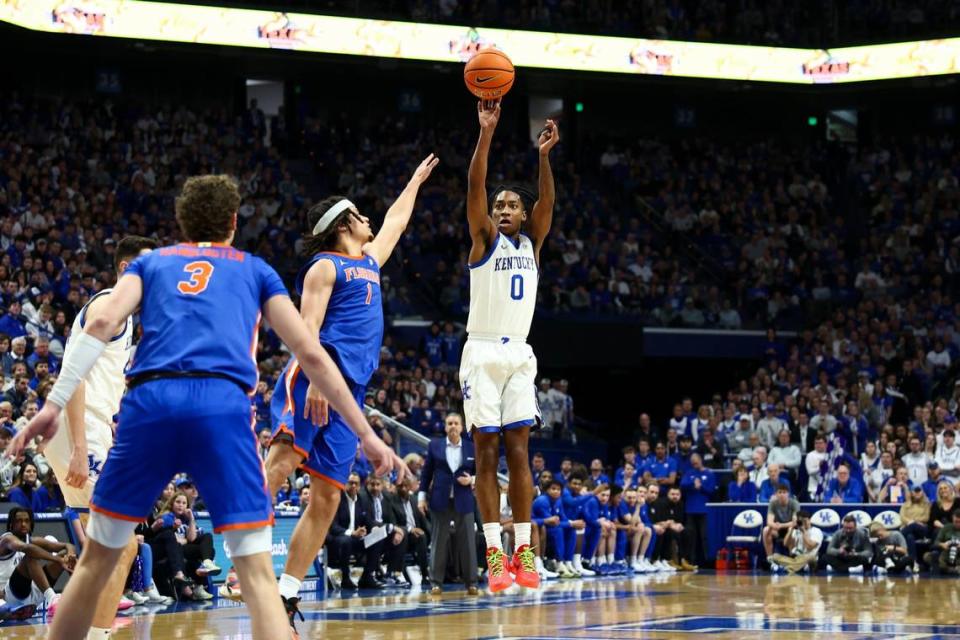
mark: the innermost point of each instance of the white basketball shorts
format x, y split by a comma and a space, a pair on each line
498, 380
99, 441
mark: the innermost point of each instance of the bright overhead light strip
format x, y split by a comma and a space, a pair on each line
445, 43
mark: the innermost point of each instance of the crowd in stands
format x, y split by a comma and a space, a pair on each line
811, 24
857, 407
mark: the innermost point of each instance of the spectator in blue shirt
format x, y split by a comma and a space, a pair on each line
426, 420
843, 489
362, 466
644, 454
287, 495
934, 478
538, 465
451, 345
629, 455
41, 353
40, 373
741, 489
597, 476
49, 497
26, 490
566, 468
627, 476
663, 469
698, 485
18, 354
13, 322
683, 456
775, 477
855, 427
433, 346
6, 359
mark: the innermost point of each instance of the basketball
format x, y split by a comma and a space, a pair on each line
489, 74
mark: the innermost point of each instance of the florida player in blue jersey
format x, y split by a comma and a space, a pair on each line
187, 407
340, 302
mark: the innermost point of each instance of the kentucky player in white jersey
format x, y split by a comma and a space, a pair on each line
77, 453
498, 368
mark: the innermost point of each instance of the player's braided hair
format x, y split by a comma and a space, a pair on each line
327, 239
13, 515
527, 196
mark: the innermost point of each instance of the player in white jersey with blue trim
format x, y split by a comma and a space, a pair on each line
498, 368
77, 452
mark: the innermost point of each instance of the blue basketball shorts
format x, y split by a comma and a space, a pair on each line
328, 452
201, 426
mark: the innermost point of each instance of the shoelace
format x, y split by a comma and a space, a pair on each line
294, 609
495, 562
527, 559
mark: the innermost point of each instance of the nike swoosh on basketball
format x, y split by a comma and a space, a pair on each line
481, 80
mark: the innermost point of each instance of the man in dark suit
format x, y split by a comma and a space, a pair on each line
352, 522
448, 475
802, 433
383, 514
415, 526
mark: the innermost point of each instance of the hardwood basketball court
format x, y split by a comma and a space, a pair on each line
660, 606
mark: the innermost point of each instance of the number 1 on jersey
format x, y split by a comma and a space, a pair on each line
369, 293
200, 272
516, 287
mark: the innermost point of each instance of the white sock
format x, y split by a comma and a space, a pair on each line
289, 586
492, 532
538, 563
609, 558
48, 595
577, 560
522, 532
96, 633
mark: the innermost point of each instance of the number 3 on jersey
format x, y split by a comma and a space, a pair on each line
200, 272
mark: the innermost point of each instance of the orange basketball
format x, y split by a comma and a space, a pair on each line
489, 74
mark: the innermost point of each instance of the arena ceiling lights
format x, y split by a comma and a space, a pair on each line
444, 43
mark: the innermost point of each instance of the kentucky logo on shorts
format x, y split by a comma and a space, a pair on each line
94, 465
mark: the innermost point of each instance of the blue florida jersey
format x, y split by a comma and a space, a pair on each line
200, 310
352, 330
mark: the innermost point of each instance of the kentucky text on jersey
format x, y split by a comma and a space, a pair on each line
510, 263
503, 289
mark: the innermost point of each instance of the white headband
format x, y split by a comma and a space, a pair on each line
327, 218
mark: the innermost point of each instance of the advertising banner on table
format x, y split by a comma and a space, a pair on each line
450, 43
282, 530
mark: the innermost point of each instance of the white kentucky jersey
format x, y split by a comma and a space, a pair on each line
9, 561
503, 290
106, 382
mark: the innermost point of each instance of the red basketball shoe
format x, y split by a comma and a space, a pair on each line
498, 574
524, 568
